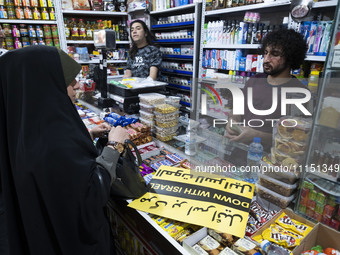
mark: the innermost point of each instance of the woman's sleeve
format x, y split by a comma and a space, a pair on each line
156, 58
129, 63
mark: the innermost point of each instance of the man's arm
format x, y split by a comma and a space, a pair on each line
127, 73
153, 72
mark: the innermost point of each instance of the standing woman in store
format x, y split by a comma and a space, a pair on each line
144, 59
55, 186
3, 235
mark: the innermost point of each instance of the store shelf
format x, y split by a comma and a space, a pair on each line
176, 71
91, 42
324, 4
191, 40
185, 57
136, 10
186, 88
231, 46
79, 42
315, 58
96, 61
175, 9
221, 82
95, 13
174, 25
330, 187
185, 103
22, 21
250, 7
322, 175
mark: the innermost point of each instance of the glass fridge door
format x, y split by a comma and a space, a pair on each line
319, 195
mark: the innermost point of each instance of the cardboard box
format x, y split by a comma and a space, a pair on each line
320, 235
193, 239
291, 214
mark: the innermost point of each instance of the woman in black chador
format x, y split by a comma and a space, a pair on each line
54, 184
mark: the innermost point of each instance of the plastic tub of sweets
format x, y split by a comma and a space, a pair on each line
147, 122
146, 108
281, 188
146, 115
166, 108
165, 138
274, 197
151, 98
167, 116
166, 124
166, 131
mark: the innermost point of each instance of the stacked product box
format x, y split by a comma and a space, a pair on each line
166, 117
146, 103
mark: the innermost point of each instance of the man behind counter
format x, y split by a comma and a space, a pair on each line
145, 59
283, 50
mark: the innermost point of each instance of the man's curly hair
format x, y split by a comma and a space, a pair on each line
291, 43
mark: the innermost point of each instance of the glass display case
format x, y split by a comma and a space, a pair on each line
319, 195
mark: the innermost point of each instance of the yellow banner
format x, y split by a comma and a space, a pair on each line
207, 200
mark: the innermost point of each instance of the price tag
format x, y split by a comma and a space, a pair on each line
336, 58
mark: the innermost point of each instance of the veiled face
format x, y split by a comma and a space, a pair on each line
72, 90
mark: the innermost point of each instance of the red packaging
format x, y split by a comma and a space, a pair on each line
334, 224
328, 211
304, 201
304, 193
317, 216
150, 148
311, 204
326, 220
310, 213
254, 63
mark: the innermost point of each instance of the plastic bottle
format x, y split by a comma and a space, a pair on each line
255, 152
190, 142
89, 31
271, 249
67, 29
81, 30
313, 81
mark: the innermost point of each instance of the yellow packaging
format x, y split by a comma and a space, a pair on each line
159, 220
177, 227
281, 236
286, 222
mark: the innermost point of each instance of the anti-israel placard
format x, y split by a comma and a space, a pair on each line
207, 200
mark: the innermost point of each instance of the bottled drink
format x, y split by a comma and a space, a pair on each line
74, 30
81, 29
190, 142
67, 29
254, 157
271, 249
89, 31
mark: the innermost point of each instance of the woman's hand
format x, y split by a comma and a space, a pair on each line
118, 134
100, 130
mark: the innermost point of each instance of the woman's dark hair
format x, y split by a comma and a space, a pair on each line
149, 37
291, 43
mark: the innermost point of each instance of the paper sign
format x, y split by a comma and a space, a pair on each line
207, 200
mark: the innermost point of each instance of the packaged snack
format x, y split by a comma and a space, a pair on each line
281, 188
166, 116
199, 250
177, 227
148, 123
290, 224
273, 197
223, 238
166, 108
165, 131
146, 108
281, 236
151, 98
166, 124
146, 115
165, 138
227, 251
208, 243
243, 246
